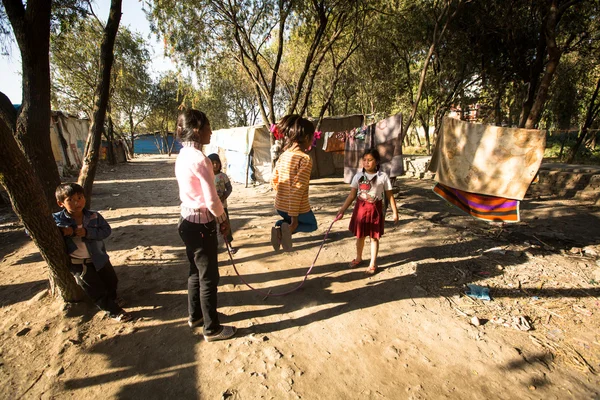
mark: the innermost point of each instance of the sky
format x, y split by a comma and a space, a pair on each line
132, 17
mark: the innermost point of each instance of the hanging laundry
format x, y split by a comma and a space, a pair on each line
326, 137
336, 141
360, 133
385, 137
388, 142
485, 159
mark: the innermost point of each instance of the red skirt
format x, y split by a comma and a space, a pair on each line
367, 219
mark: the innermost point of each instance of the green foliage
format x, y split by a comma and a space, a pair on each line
167, 95
66, 13
75, 57
559, 142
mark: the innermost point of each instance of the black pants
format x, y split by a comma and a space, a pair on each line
100, 286
201, 246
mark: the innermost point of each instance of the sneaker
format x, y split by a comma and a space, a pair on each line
286, 237
226, 333
275, 241
194, 323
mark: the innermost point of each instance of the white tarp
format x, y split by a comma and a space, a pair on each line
236, 139
234, 146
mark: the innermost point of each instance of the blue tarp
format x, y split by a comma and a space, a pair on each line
147, 144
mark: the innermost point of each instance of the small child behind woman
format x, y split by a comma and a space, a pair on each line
224, 189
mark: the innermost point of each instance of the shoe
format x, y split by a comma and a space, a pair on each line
275, 241
233, 250
286, 237
120, 317
194, 323
354, 263
226, 333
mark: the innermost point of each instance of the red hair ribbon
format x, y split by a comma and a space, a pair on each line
275, 131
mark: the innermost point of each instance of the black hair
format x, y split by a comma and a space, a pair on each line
375, 154
295, 129
215, 157
189, 120
65, 190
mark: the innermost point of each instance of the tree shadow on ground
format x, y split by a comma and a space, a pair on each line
162, 356
16, 293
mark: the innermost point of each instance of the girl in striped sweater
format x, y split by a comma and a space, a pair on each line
290, 180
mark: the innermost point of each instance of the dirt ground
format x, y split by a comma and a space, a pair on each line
409, 332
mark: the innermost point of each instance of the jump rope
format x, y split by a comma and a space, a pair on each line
269, 293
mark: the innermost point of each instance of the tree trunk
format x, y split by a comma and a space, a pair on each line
92, 148
434, 42
29, 203
425, 124
590, 116
131, 148
550, 26
500, 88
31, 27
112, 159
132, 135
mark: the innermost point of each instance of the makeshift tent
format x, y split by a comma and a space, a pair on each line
245, 152
68, 135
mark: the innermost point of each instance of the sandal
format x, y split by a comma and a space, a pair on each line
275, 241
286, 237
226, 333
354, 263
371, 270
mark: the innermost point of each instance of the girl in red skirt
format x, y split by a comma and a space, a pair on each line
368, 218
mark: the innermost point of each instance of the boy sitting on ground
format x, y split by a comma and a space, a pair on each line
84, 232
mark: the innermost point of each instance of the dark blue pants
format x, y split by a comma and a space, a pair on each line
306, 221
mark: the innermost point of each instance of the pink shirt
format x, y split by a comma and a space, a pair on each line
199, 200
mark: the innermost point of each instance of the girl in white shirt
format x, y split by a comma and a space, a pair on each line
201, 210
369, 186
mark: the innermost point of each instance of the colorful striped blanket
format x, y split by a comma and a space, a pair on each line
480, 206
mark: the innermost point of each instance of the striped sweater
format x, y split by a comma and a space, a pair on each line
290, 182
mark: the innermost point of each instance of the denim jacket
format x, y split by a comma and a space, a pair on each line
97, 229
